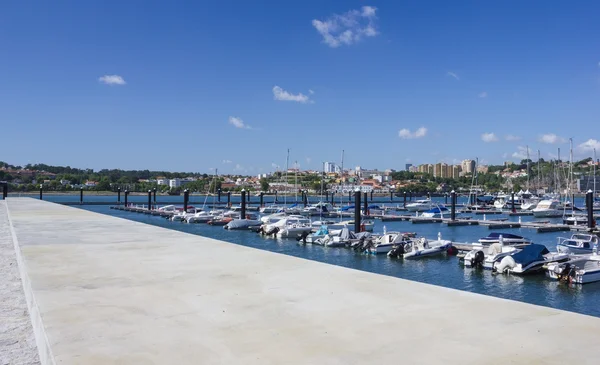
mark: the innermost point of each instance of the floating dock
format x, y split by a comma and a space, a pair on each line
105, 290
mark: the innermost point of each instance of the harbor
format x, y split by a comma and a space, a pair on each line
93, 280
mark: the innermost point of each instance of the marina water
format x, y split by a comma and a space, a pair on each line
444, 270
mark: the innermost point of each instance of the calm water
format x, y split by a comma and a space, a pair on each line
442, 271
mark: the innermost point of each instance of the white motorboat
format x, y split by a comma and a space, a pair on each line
365, 226
576, 220
580, 270
485, 255
242, 224
199, 217
507, 202
169, 209
317, 209
182, 215
273, 218
548, 209
387, 241
290, 226
325, 238
530, 259
420, 205
418, 248
507, 239
578, 244
271, 209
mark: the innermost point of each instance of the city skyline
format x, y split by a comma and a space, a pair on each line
198, 87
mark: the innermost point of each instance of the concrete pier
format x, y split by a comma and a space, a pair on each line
104, 290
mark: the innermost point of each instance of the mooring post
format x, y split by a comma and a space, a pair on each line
332, 201
357, 211
366, 206
154, 193
248, 196
446, 198
512, 201
149, 200
243, 213
371, 195
573, 201
349, 197
589, 202
262, 199
119, 195
326, 195
428, 195
404, 203
81, 195
186, 198
453, 207
126, 193
305, 198
391, 196
41, 191
410, 195
229, 198
4, 190
276, 200
219, 195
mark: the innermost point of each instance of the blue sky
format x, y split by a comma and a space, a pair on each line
233, 84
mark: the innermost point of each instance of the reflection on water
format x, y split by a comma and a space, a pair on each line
442, 271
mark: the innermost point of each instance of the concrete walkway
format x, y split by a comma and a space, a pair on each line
113, 291
17, 342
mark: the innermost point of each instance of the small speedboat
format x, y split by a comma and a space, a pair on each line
485, 255
576, 220
530, 259
580, 270
579, 243
420, 205
242, 224
219, 221
507, 239
388, 241
365, 226
422, 247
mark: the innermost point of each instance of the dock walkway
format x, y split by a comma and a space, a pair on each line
110, 290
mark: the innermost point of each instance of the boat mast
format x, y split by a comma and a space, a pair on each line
594, 162
342, 182
539, 172
321, 200
296, 181
287, 167
557, 173
527, 168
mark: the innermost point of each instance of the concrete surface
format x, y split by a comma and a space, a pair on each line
113, 291
17, 342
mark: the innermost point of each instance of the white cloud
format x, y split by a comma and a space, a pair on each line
274, 165
238, 123
551, 138
310, 91
589, 145
483, 94
280, 94
521, 153
112, 80
407, 134
449, 73
489, 137
308, 159
504, 155
511, 137
227, 161
347, 28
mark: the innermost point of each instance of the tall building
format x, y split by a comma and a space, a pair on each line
468, 166
330, 167
456, 170
408, 166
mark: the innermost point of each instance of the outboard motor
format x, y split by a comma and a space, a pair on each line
302, 237
506, 264
273, 231
358, 245
397, 251
478, 259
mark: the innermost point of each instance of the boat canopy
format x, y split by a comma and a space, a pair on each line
322, 231
530, 254
345, 234
496, 235
347, 207
374, 206
437, 210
